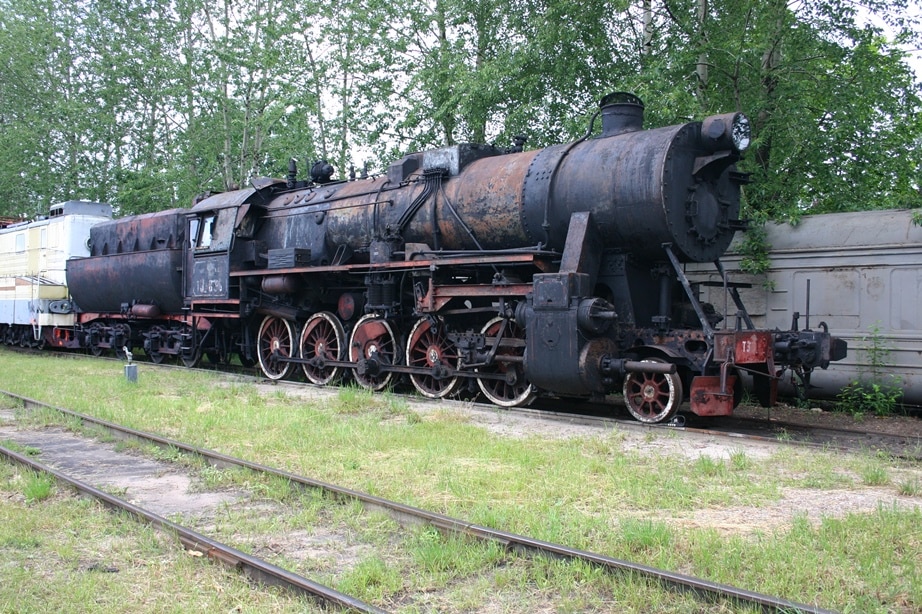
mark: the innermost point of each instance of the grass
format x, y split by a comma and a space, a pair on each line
590, 493
68, 554
37, 487
911, 487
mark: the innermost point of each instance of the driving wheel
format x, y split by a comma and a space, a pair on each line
429, 348
653, 397
374, 347
274, 340
323, 338
511, 389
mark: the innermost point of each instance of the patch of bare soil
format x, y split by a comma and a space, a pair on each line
909, 426
812, 504
166, 489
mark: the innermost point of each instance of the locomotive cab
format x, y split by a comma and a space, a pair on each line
221, 239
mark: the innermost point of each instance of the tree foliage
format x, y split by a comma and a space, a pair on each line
145, 103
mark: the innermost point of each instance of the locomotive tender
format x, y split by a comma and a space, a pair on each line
558, 271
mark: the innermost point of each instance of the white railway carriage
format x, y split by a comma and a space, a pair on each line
35, 306
861, 274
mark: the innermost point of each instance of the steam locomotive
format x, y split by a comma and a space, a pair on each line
511, 273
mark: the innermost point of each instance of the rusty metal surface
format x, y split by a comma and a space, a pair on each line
227, 199
744, 347
438, 295
106, 283
137, 258
139, 233
639, 187
524, 258
706, 397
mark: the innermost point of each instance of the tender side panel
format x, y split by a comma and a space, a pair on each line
107, 283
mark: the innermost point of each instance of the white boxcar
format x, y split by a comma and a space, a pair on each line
864, 274
33, 255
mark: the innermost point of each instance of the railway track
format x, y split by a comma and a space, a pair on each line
788, 432
907, 447
404, 514
253, 567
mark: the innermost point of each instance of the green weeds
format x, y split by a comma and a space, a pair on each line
740, 461
594, 493
37, 487
874, 474
645, 535
371, 580
911, 487
880, 393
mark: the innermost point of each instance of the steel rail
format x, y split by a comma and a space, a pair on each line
571, 418
252, 567
409, 514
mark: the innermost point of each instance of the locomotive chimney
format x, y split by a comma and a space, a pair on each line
621, 112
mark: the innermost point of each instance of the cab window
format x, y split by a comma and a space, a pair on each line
201, 231
212, 231
205, 235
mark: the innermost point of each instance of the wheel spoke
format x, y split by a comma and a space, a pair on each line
275, 340
513, 389
652, 397
374, 347
323, 338
429, 348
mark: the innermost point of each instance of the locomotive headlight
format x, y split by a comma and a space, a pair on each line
740, 132
726, 132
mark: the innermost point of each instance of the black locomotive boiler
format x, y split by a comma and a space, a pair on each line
558, 271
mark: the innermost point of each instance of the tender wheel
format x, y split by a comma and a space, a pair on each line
122, 340
154, 337
275, 335
190, 353
95, 334
324, 338
513, 389
429, 347
191, 358
373, 345
653, 397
